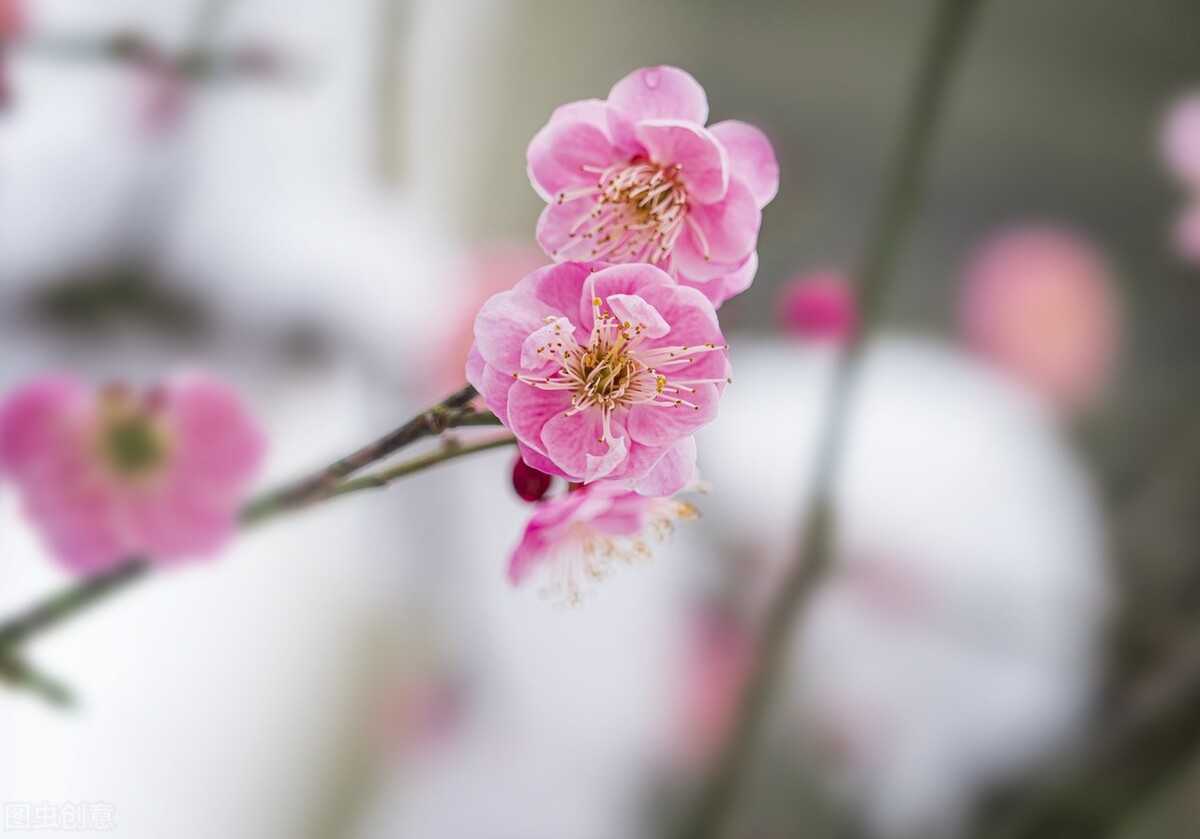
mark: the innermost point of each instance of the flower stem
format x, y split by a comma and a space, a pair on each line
901, 196
452, 412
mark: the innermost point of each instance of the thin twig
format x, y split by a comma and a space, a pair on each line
901, 196
448, 451
452, 412
19, 675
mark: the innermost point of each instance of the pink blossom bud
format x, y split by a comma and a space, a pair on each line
818, 306
531, 484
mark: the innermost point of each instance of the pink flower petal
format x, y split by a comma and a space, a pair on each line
751, 158
721, 288
218, 446
701, 160
727, 234
671, 472
657, 425
654, 93
574, 443
634, 310
534, 357
35, 421
503, 324
529, 409
577, 136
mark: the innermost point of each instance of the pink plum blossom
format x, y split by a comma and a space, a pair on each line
1181, 154
602, 372
578, 539
106, 475
818, 306
1037, 302
638, 178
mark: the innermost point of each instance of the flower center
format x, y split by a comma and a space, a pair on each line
134, 446
639, 210
132, 443
613, 370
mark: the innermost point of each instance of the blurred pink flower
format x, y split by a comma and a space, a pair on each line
12, 26
818, 306
1181, 139
106, 476
162, 94
602, 372
720, 652
579, 538
487, 271
638, 178
1187, 232
1037, 301
12, 20
1181, 154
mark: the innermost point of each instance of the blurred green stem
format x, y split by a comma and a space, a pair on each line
901, 196
454, 411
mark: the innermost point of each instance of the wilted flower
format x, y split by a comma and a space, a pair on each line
1037, 302
580, 538
638, 178
602, 372
818, 306
106, 475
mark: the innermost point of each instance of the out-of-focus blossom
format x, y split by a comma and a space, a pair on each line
1181, 154
1181, 139
530, 484
818, 306
12, 20
602, 372
487, 271
1037, 302
258, 60
720, 652
106, 475
162, 95
638, 178
1187, 233
424, 714
12, 25
580, 538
